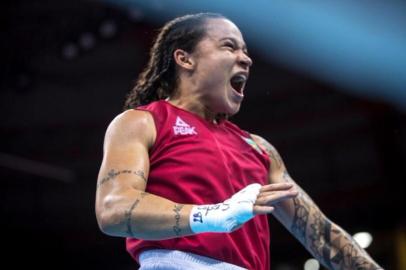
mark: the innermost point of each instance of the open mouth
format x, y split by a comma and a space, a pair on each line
238, 82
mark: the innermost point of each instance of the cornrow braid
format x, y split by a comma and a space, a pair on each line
158, 79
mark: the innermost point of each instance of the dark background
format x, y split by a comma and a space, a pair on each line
347, 152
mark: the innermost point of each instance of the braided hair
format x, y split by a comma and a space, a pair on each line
158, 79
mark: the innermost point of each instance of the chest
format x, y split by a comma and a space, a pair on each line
215, 156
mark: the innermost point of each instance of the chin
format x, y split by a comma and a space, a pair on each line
232, 110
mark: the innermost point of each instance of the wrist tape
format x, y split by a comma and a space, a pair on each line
226, 216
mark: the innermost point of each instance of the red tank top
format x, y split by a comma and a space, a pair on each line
194, 161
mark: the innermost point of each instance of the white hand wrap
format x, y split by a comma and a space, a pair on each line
226, 216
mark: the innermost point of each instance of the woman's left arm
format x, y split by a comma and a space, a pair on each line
325, 240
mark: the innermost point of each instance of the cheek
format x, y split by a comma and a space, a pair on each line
221, 69
214, 71
217, 61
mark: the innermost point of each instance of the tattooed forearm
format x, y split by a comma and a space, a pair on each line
300, 219
319, 237
128, 214
177, 209
325, 240
112, 174
349, 255
333, 247
328, 243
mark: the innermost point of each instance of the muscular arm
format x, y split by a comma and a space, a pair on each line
123, 208
325, 240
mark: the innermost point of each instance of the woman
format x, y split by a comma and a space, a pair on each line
189, 189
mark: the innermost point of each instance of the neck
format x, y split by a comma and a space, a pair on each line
192, 104
189, 96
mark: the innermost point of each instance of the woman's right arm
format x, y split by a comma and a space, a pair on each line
123, 208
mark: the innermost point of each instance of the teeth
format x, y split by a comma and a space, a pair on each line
238, 81
239, 78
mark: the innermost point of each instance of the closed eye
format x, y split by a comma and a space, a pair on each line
229, 45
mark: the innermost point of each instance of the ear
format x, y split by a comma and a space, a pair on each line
183, 59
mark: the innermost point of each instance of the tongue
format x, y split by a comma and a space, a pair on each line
237, 83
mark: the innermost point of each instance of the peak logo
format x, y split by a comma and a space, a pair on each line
182, 128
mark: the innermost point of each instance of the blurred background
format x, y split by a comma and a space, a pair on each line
328, 89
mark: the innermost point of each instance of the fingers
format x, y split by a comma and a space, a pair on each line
265, 195
262, 210
273, 197
247, 194
277, 186
252, 188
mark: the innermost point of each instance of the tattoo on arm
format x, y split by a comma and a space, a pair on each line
270, 150
286, 176
319, 236
141, 174
112, 174
299, 224
328, 243
177, 209
275, 156
331, 246
128, 213
350, 255
302, 210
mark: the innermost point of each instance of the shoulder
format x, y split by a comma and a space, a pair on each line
132, 124
276, 160
264, 144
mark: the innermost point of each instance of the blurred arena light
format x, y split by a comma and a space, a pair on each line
87, 41
108, 29
359, 46
311, 264
135, 14
364, 239
37, 168
70, 51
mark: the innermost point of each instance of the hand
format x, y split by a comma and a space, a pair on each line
271, 194
226, 216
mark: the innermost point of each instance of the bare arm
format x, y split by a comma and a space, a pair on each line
123, 208
325, 240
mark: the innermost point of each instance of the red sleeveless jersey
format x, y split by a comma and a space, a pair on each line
194, 161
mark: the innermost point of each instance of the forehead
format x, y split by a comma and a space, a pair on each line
219, 28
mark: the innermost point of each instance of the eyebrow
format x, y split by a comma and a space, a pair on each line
244, 46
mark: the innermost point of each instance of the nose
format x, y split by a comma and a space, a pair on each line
244, 60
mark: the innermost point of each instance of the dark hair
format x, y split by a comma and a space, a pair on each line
158, 79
